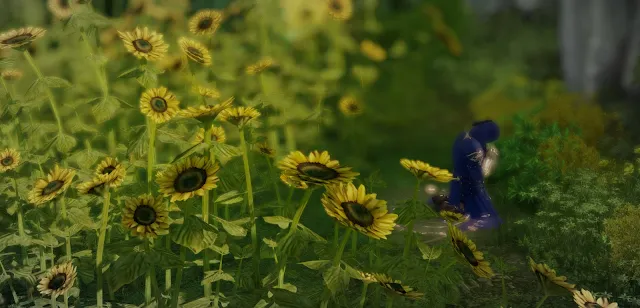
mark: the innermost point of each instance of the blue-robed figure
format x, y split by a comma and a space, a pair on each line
473, 160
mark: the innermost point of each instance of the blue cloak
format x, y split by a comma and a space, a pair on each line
468, 153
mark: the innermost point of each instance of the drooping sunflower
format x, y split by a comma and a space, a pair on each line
112, 171
58, 280
193, 176
217, 135
340, 9
548, 279
373, 51
159, 104
205, 22
604, 303
453, 217
466, 249
9, 160
195, 51
239, 116
146, 216
423, 170
350, 106
366, 278
315, 169
206, 113
396, 287
207, 92
264, 149
92, 187
57, 181
260, 66
144, 44
355, 209
62, 9
293, 182
585, 299
15, 38
11, 75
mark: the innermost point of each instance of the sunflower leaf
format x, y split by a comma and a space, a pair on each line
163, 258
196, 148
286, 298
56, 82
231, 228
105, 109
131, 73
84, 18
194, 234
85, 158
125, 270
148, 79
225, 152
221, 250
282, 222
65, 143
428, 252
123, 247
241, 252
335, 279
230, 197
213, 276
316, 265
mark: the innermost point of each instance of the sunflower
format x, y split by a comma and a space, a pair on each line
373, 51
57, 181
260, 66
173, 64
355, 209
423, 170
58, 280
547, 277
112, 171
315, 169
350, 106
205, 22
303, 17
453, 217
9, 160
92, 187
144, 43
217, 135
207, 92
340, 9
11, 75
239, 116
293, 182
146, 216
264, 149
206, 113
366, 278
62, 9
138, 7
15, 38
396, 287
193, 176
195, 51
604, 303
466, 249
585, 299
159, 104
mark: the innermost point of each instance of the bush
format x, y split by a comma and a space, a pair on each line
622, 230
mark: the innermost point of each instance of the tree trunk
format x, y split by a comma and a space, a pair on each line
632, 52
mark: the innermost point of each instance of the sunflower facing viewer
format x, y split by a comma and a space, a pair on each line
195, 51
315, 169
146, 216
144, 44
159, 104
9, 160
193, 176
205, 22
58, 280
111, 171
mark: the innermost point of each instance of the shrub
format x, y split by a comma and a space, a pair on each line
623, 232
567, 153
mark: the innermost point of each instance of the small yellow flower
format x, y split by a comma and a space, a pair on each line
350, 106
146, 216
9, 160
264, 149
423, 170
340, 9
15, 38
205, 22
159, 104
373, 51
144, 44
206, 113
239, 116
260, 66
207, 92
56, 182
217, 135
11, 75
195, 51
58, 280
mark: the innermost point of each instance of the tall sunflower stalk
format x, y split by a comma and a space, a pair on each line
336, 262
20, 214
205, 213
151, 153
52, 99
104, 221
252, 214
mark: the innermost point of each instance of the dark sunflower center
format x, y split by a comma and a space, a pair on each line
195, 52
65, 4
52, 187
396, 287
57, 282
205, 23
357, 214
158, 104
108, 169
144, 215
190, 180
591, 305
306, 14
317, 171
18, 39
467, 253
142, 45
7, 161
353, 107
177, 65
96, 189
336, 5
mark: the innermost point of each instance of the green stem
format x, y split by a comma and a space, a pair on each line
4, 85
104, 86
238, 272
409, 237
179, 271
23, 249
505, 300
16, 300
254, 236
205, 213
216, 300
290, 137
63, 206
147, 279
298, 215
389, 301
539, 304
167, 273
354, 243
54, 302
363, 296
104, 221
289, 199
52, 100
336, 262
275, 184
151, 155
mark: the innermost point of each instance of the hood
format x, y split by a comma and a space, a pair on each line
485, 132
